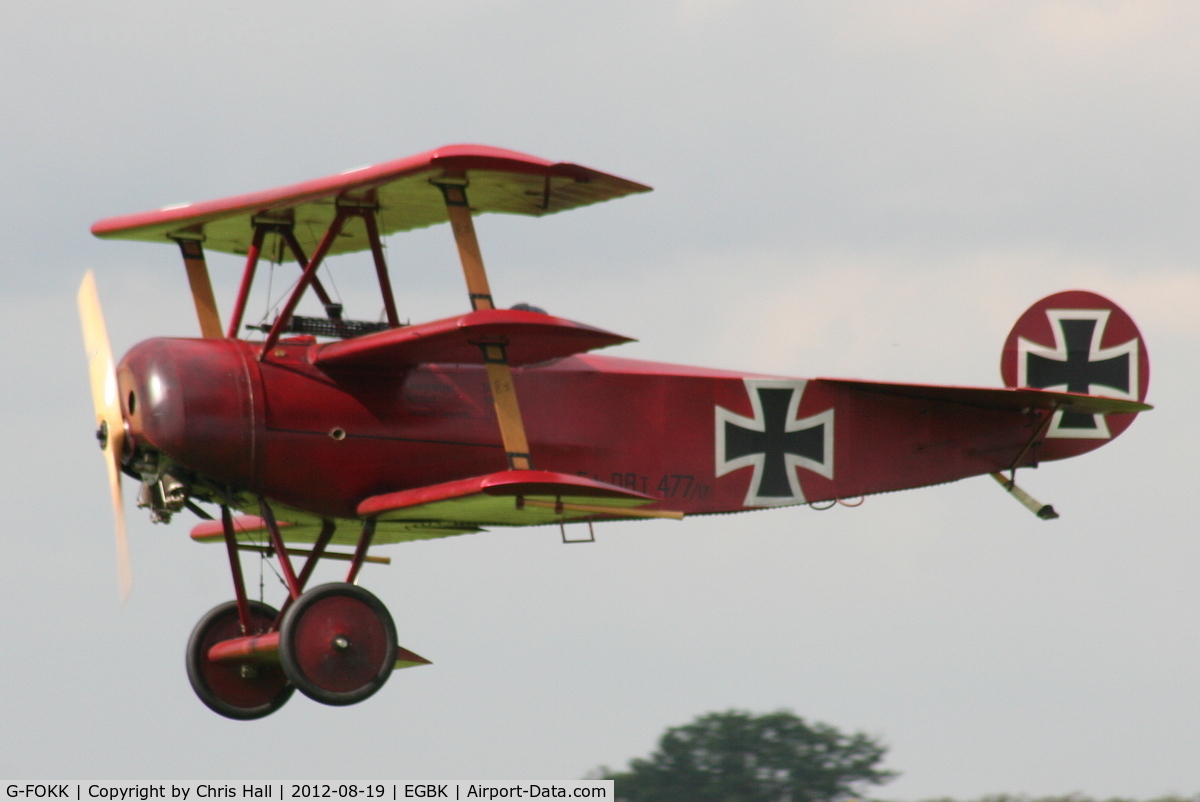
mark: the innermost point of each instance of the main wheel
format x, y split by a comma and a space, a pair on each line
242, 690
337, 644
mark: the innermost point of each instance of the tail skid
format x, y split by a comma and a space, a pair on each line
1043, 511
1083, 345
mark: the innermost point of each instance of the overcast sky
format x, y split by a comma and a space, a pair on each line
865, 189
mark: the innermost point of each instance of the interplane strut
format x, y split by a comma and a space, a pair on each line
495, 356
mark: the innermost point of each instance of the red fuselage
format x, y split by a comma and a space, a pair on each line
322, 441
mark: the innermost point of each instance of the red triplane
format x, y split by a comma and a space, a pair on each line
330, 430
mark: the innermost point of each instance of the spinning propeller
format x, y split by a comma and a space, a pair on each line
111, 431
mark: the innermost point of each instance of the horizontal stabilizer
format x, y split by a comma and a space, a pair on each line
528, 337
1020, 398
512, 498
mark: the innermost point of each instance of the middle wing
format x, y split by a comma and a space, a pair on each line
528, 337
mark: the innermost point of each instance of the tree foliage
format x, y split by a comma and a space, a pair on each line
736, 756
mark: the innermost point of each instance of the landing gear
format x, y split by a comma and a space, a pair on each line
240, 689
337, 644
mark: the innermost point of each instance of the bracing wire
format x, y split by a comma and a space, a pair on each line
277, 574
325, 266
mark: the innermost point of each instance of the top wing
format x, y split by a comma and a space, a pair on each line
1008, 398
498, 181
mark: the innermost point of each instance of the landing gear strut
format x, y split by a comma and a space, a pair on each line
336, 643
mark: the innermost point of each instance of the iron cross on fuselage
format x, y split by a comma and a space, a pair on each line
774, 442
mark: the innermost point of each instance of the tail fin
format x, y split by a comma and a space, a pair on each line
1078, 342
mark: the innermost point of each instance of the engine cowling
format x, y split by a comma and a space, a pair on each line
192, 401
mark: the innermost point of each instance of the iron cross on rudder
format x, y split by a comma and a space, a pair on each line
1078, 363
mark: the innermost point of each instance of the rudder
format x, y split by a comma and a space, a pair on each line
1079, 342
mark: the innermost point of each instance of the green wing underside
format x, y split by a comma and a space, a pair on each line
508, 498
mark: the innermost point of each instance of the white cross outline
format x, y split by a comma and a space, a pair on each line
1095, 354
758, 423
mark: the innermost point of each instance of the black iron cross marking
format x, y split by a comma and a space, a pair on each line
774, 443
770, 438
1078, 372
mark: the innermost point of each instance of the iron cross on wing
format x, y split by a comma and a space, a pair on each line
774, 442
1078, 364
